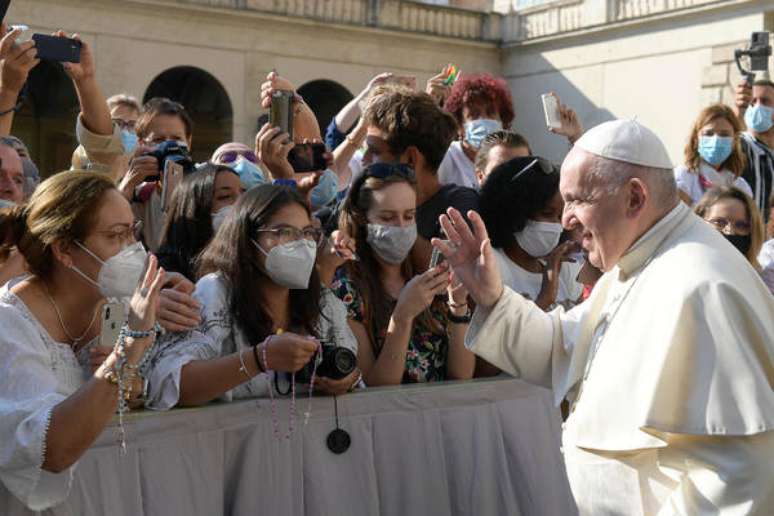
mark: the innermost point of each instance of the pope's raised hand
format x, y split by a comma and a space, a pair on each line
470, 255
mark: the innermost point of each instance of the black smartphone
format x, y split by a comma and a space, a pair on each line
4, 4
308, 157
760, 51
54, 48
281, 114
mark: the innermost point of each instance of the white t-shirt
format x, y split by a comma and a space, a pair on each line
528, 284
690, 182
456, 168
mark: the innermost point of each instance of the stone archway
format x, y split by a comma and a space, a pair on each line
46, 120
207, 101
326, 98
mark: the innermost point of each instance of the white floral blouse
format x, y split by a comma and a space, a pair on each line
36, 374
218, 336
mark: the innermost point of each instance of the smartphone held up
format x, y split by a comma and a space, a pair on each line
59, 49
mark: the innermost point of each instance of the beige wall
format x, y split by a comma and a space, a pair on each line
653, 71
660, 70
135, 41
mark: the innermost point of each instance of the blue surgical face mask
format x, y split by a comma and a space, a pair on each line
715, 150
758, 118
129, 141
249, 173
326, 189
477, 130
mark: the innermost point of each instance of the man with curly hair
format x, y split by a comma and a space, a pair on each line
481, 104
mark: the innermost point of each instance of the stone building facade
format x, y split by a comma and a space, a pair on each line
658, 60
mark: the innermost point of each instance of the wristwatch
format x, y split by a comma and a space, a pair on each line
460, 319
286, 182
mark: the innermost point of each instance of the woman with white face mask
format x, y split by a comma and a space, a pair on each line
409, 329
263, 309
77, 235
522, 210
198, 207
713, 155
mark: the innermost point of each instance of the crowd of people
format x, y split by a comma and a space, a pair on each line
235, 278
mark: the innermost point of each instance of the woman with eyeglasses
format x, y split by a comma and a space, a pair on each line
522, 209
736, 216
263, 308
77, 237
409, 328
243, 161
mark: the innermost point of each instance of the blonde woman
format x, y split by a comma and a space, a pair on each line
713, 155
77, 238
736, 216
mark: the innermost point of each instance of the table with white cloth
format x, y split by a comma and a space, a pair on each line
483, 447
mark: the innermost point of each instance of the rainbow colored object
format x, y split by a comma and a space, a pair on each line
451, 74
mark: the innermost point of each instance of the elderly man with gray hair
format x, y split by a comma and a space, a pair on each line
668, 366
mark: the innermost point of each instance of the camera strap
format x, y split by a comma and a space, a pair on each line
338, 440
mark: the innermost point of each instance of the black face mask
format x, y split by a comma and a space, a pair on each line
741, 242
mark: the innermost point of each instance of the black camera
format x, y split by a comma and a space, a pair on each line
758, 54
335, 363
174, 151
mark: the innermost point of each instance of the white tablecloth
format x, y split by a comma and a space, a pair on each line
487, 447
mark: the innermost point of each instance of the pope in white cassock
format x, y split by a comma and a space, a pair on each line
668, 366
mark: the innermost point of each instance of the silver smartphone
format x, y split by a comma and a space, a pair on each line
551, 111
173, 174
112, 319
436, 258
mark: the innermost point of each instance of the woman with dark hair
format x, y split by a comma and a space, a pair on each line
482, 105
263, 308
406, 333
522, 210
198, 207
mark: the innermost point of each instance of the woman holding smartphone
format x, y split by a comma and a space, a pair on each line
409, 328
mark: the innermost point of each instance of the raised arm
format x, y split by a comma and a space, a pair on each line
18, 59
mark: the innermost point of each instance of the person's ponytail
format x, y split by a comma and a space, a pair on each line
13, 226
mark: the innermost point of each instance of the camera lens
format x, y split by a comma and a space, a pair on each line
344, 361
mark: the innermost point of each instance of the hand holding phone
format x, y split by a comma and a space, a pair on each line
308, 157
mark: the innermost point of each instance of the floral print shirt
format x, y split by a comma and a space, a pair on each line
428, 347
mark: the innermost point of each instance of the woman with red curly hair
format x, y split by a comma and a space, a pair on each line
481, 104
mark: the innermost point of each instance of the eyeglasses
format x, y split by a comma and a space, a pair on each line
385, 170
232, 156
543, 165
128, 234
739, 226
125, 124
286, 234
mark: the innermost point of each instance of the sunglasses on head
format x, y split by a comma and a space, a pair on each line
540, 164
232, 156
385, 170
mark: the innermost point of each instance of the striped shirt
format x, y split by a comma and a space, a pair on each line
759, 172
